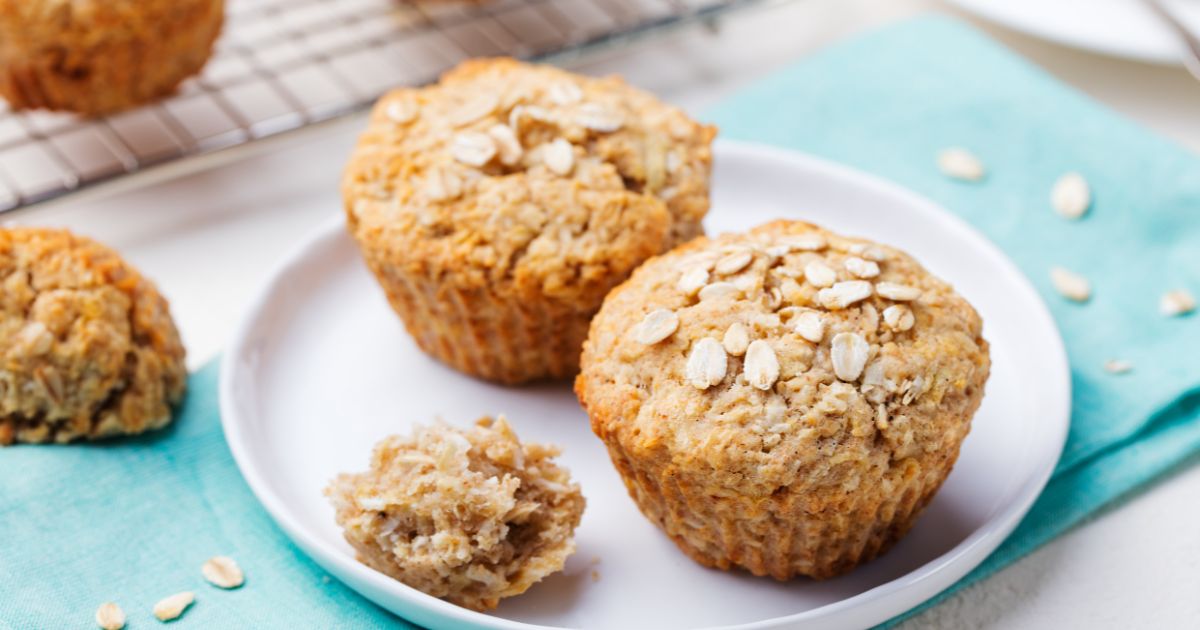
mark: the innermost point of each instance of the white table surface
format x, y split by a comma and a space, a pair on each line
210, 238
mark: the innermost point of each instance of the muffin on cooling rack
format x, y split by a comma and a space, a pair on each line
498, 207
88, 346
785, 400
470, 516
100, 56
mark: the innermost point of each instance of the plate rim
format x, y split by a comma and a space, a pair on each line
1036, 29
931, 578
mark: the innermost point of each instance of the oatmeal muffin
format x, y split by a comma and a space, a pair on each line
99, 56
470, 516
785, 400
88, 346
498, 207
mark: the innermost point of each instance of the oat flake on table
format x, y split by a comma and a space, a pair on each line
1071, 285
961, 164
1071, 196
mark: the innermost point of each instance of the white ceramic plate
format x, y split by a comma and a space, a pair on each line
1120, 28
321, 369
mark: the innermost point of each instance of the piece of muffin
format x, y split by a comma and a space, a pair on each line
498, 207
100, 56
785, 400
470, 516
88, 346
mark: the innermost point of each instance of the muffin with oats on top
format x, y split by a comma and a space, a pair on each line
785, 400
100, 56
498, 207
88, 348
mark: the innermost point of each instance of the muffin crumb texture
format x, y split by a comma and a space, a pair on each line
470, 516
88, 346
498, 207
785, 400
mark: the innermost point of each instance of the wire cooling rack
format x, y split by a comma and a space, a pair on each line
284, 64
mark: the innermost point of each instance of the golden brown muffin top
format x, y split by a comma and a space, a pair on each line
786, 357
526, 177
87, 345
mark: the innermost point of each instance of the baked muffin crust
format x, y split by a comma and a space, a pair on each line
809, 398
498, 207
101, 56
470, 516
87, 345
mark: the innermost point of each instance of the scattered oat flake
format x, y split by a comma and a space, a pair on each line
1176, 302
1071, 197
736, 339
595, 575
707, 363
718, 289
807, 242
223, 571
843, 294
565, 93
401, 111
1070, 284
473, 148
860, 268
656, 326
870, 252
692, 281
172, 607
848, 352
559, 157
777, 251
1118, 366
819, 274
474, 109
961, 164
773, 299
508, 146
110, 616
733, 263
897, 292
811, 326
762, 366
532, 112
442, 184
898, 317
599, 118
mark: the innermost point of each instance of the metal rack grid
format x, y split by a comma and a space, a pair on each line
285, 64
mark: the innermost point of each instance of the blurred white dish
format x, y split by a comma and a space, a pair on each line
1120, 28
321, 369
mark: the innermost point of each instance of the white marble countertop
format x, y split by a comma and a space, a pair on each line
210, 238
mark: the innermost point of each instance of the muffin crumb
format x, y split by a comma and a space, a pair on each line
471, 516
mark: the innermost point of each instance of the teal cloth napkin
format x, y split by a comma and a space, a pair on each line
132, 520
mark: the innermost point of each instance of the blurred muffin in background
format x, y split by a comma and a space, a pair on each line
99, 56
498, 207
87, 345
